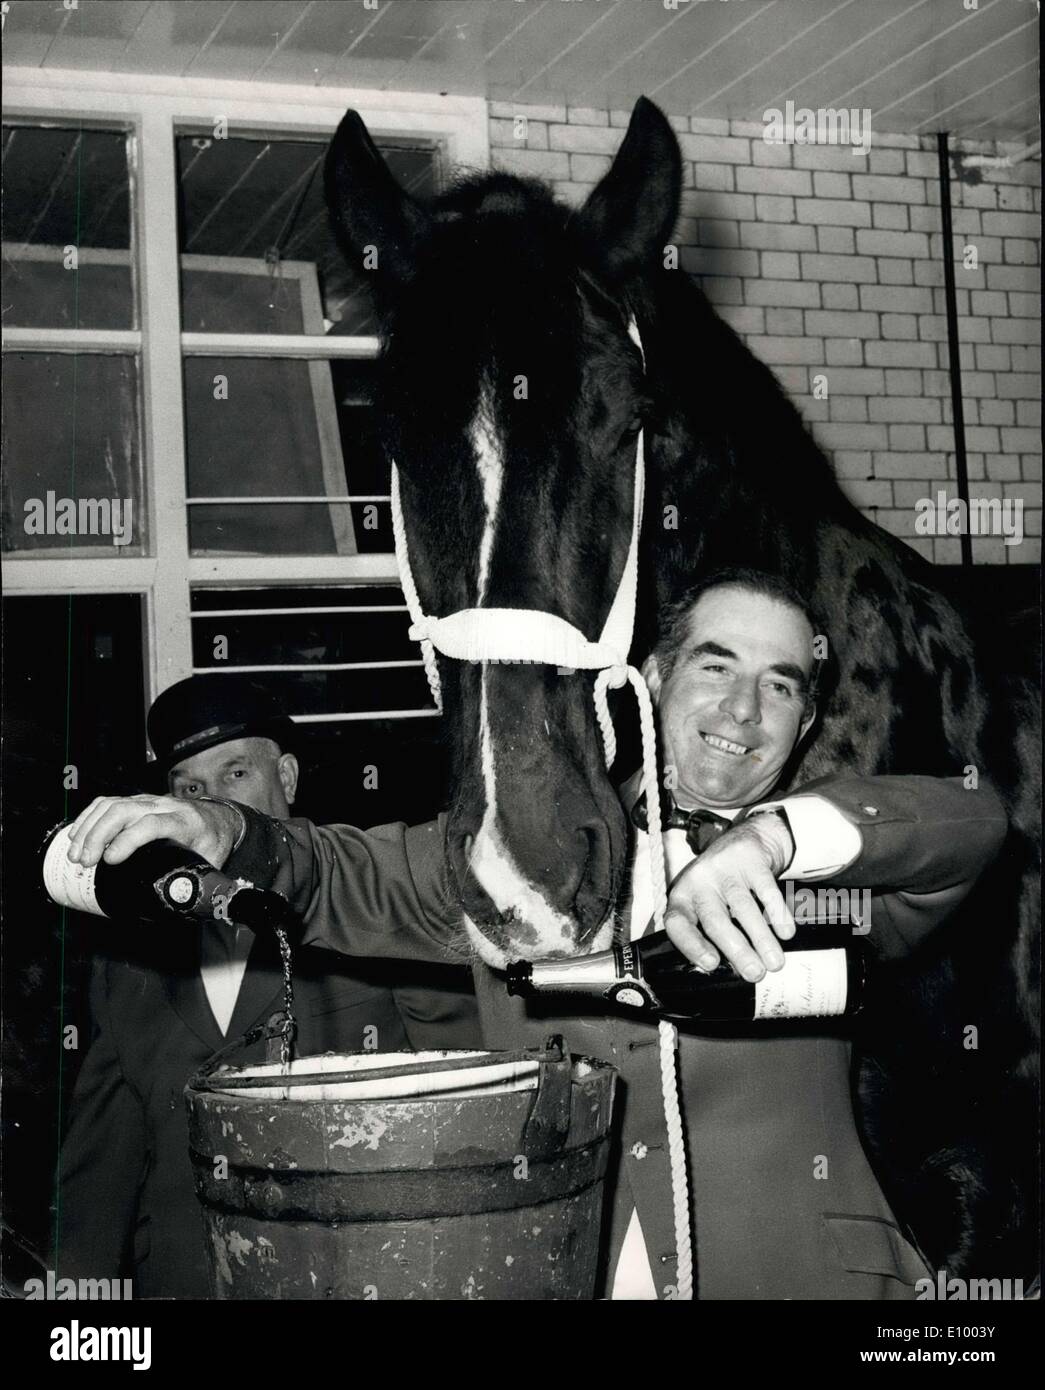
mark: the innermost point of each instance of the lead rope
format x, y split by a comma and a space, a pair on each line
481, 635
667, 1034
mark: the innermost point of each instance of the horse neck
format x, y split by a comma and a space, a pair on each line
729, 452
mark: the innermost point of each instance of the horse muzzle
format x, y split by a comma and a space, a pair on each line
514, 909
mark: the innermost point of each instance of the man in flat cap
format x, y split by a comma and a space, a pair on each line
172, 997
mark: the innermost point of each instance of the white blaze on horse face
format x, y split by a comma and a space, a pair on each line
491, 861
492, 864
491, 471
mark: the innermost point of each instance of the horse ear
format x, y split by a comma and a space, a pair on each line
379, 225
632, 211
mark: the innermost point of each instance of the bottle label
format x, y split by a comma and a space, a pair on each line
812, 984
180, 890
632, 997
70, 885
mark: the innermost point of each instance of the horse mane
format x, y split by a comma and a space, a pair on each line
497, 193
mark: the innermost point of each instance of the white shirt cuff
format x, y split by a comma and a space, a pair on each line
825, 841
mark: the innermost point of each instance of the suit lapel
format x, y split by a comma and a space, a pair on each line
184, 986
262, 989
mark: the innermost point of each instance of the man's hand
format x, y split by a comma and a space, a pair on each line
113, 827
735, 874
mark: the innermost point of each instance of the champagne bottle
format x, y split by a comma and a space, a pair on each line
823, 976
157, 880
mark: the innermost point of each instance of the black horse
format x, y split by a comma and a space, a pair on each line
511, 398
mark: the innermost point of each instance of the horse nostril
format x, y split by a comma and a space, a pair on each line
593, 898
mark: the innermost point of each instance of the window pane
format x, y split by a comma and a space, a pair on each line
67, 228
270, 528
280, 428
257, 635
72, 457
365, 462
243, 296
255, 208
348, 692
314, 627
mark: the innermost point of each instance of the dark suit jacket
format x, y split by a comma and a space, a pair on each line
127, 1203
786, 1205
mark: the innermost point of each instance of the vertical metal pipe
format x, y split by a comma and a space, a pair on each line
951, 299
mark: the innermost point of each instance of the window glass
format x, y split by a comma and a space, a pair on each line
257, 203
258, 256
241, 296
281, 428
72, 454
272, 628
67, 246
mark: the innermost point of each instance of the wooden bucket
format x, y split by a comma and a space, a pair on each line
408, 1175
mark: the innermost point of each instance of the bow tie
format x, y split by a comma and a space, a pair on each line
701, 827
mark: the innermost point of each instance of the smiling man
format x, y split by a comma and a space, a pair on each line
735, 678
736, 691
786, 1205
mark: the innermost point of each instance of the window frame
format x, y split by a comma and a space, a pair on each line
153, 111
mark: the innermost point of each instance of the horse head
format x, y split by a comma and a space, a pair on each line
511, 399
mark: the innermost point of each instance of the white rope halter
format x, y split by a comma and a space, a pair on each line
528, 635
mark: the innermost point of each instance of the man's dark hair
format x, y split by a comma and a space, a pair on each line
674, 627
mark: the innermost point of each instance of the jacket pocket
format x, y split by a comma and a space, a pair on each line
870, 1245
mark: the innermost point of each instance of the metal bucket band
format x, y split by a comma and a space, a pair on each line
404, 1195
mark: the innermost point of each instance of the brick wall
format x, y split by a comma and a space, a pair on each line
829, 263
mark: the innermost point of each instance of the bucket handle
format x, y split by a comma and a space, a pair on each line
548, 1123
545, 1114
271, 1030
